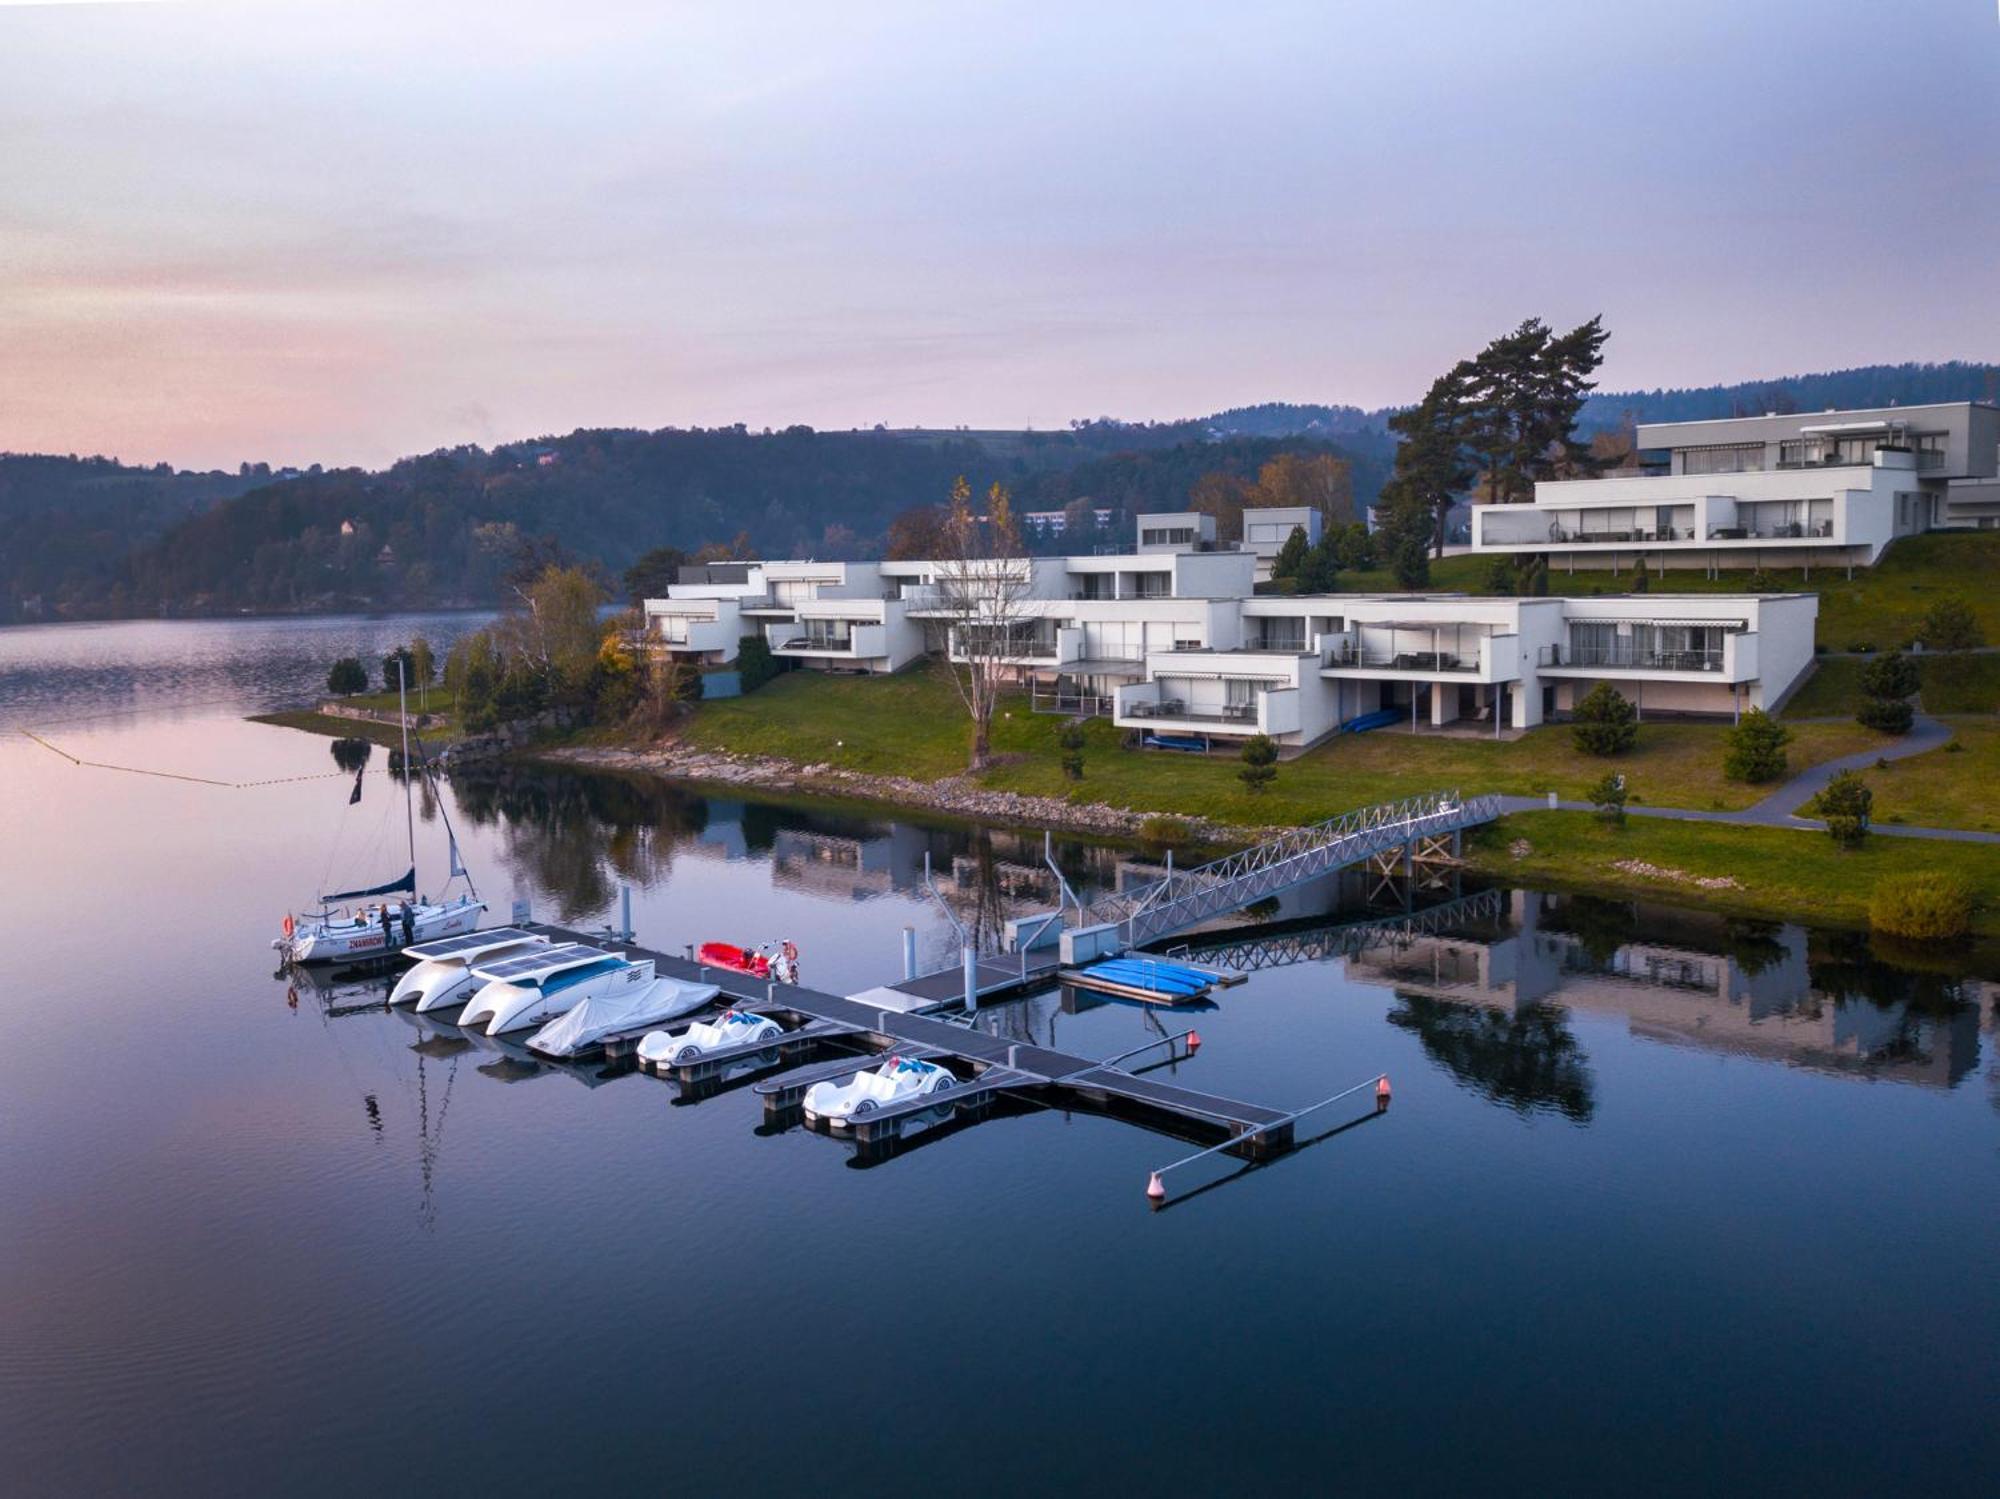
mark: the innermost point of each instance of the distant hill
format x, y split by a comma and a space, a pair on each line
71, 523
1867, 385
443, 529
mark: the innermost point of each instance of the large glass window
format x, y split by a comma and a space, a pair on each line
1723, 458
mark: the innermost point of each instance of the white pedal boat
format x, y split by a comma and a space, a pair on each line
730, 1028
619, 1012
897, 1079
536, 986
442, 977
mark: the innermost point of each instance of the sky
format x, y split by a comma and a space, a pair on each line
295, 231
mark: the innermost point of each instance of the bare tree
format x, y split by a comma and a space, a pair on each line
982, 578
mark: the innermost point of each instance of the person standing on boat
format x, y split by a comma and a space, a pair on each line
388, 936
409, 924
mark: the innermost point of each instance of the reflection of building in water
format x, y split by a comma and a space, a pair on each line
1685, 978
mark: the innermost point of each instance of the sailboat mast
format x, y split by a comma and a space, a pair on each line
409, 796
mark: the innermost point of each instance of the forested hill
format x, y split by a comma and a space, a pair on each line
69, 524
1868, 385
443, 529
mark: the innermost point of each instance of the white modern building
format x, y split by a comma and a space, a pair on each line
1773, 491
1266, 529
1177, 646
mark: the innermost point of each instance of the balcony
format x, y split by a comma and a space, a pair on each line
1159, 706
857, 642
1634, 658
692, 634
1797, 530
1493, 658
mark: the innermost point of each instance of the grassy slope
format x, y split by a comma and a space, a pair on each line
1781, 870
1948, 789
1970, 684
912, 725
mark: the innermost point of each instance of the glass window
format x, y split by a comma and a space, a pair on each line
1723, 458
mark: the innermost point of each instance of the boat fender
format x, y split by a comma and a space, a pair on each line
289, 927
1381, 1093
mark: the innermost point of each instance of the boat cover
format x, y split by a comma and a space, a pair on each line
407, 882
587, 1023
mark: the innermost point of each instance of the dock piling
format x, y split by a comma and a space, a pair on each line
909, 952
969, 955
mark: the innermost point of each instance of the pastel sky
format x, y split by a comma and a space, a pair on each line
301, 231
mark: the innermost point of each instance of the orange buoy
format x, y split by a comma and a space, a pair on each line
1194, 1042
288, 926
1155, 1191
1381, 1093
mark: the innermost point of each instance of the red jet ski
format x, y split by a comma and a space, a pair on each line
738, 959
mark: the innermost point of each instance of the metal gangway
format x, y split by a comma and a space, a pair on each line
1416, 827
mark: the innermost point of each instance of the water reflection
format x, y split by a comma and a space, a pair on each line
1493, 1008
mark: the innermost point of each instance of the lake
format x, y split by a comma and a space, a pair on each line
1664, 1202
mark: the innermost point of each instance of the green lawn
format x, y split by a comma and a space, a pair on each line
1781, 871
385, 702
1968, 684
1879, 608
912, 724
437, 734
1947, 788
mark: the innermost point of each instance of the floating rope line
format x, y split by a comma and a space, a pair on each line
170, 775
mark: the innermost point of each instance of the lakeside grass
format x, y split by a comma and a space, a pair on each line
354, 728
913, 725
1780, 871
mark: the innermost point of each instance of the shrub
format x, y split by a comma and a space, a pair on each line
1500, 575
1606, 724
1756, 749
399, 656
755, 665
1260, 763
1641, 580
1763, 581
1159, 828
1951, 626
1608, 796
1926, 906
1885, 715
1070, 737
347, 675
1845, 804
1891, 675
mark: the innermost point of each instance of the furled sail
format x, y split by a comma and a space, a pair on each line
407, 883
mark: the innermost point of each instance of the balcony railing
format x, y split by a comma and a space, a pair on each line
1403, 660
1174, 707
1784, 531
1633, 659
1073, 704
1626, 537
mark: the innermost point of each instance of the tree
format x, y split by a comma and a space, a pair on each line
918, 534
1608, 796
1070, 737
1430, 471
398, 658
1308, 481
653, 574
1223, 496
1606, 724
1518, 402
1355, 547
347, 675
1291, 557
1260, 764
1845, 804
1893, 675
1951, 626
982, 579
1319, 571
1755, 749
557, 633
1885, 715
423, 664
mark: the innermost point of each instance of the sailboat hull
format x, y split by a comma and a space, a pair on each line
344, 939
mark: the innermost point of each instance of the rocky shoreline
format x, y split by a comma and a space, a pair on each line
955, 796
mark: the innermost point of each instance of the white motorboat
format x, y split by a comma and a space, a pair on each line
618, 1012
535, 987
730, 1028
897, 1079
442, 977
381, 925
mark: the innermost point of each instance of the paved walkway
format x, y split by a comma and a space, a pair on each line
1780, 808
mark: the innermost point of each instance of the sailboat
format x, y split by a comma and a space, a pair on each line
379, 926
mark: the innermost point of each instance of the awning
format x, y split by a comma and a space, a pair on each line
1675, 624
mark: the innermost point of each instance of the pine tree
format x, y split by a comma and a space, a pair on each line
1291, 557
1260, 763
1756, 748
1606, 724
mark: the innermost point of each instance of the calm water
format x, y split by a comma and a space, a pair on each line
1664, 1203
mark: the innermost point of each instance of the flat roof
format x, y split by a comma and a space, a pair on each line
1793, 416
